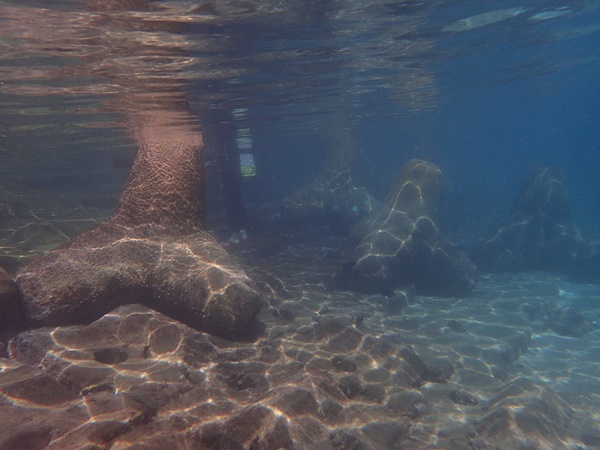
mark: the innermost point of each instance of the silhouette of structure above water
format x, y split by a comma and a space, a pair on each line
540, 233
152, 251
400, 244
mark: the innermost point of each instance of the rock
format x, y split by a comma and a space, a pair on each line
404, 403
44, 406
395, 304
567, 321
342, 364
41, 390
152, 251
36, 437
461, 397
334, 198
350, 385
400, 244
526, 415
9, 296
540, 233
284, 314
342, 439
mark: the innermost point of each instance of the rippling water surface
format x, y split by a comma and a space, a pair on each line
68, 67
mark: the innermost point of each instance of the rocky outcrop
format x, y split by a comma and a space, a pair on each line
400, 244
152, 251
334, 198
540, 233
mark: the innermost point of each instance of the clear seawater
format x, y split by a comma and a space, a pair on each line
487, 90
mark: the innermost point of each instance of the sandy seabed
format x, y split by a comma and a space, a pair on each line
324, 369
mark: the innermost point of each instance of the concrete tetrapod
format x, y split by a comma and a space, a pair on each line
153, 250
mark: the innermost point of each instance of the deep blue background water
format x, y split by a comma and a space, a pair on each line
510, 97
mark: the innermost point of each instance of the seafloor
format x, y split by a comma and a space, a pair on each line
325, 369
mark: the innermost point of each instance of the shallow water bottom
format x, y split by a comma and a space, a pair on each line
324, 369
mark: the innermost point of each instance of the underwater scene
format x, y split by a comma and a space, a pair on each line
299, 224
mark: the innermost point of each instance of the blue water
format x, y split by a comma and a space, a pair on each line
489, 104
486, 104
487, 91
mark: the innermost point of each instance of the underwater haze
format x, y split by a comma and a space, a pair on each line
299, 224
